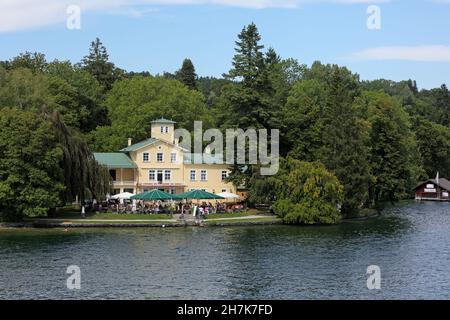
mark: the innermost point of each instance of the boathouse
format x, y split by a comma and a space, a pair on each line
433, 190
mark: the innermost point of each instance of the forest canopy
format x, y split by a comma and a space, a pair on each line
366, 141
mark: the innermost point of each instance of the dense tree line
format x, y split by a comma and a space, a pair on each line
346, 144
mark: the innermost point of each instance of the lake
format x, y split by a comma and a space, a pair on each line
410, 243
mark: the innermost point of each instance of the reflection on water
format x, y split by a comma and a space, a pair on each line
411, 244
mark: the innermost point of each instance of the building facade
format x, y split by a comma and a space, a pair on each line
160, 163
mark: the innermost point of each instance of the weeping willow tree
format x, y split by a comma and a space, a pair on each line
82, 172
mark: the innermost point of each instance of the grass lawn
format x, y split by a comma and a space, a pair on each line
70, 213
250, 212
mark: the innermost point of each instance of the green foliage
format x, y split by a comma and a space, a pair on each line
322, 125
394, 158
306, 192
78, 96
434, 146
30, 177
97, 64
22, 89
35, 62
211, 88
248, 62
134, 103
378, 138
187, 75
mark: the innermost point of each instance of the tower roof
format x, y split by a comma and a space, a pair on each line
163, 121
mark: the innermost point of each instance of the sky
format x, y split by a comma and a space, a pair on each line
390, 39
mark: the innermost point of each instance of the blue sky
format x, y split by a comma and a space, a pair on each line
156, 35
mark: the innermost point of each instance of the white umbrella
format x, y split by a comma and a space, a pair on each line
228, 195
122, 196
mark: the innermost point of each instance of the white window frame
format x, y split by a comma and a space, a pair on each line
226, 174
169, 174
173, 157
194, 174
143, 157
150, 172
204, 175
166, 129
162, 157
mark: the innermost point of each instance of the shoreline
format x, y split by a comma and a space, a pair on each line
151, 224
164, 223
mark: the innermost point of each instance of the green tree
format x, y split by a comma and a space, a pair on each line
83, 176
36, 61
30, 176
78, 96
97, 63
248, 62
302, 113
22, 89
434, 146
134, 103
301, 193
394, 159
343, 149
187, 75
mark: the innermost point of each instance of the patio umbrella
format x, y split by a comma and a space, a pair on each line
123, 196
228, 195
197, 194
154, 194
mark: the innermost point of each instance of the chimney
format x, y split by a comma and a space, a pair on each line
129, 141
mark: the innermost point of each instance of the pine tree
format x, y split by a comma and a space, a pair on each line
187, 74
343, 148
97, 63
248, 62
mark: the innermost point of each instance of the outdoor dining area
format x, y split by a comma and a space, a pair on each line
194, 202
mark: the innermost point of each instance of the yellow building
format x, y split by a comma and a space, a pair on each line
159, 163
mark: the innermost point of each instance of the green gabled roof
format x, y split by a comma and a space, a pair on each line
115, 160
163, 121
139, 145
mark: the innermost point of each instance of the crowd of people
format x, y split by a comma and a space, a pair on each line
160, 207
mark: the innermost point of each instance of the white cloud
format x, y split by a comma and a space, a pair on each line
435, 53
29, 14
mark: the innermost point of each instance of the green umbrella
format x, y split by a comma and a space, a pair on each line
154, 194
197, 194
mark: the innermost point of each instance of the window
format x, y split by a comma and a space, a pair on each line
116, 191
162, 129
151, 175
192, 175
167, 175
173, 157
145, 157
131, 190
224, 190
203, 175
224, 175
113, 175
173, 190
159, 157
167, 129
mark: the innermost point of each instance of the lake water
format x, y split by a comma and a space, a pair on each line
410, 243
